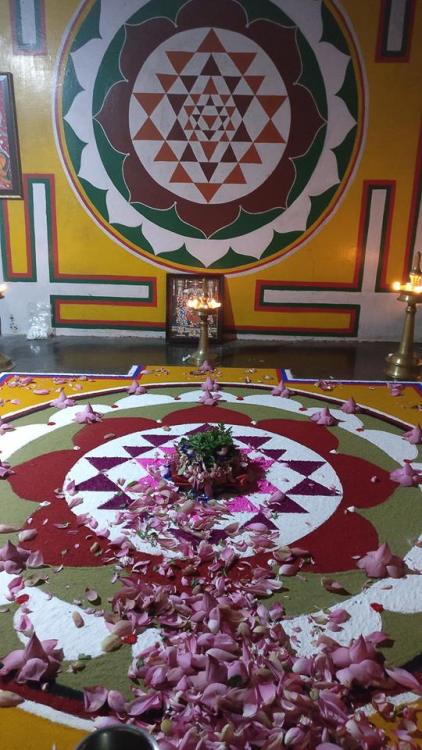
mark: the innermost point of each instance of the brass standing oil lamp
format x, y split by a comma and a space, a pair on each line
5, 362
405, 363
204, 305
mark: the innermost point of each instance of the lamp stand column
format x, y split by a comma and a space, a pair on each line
404, 364
203, 351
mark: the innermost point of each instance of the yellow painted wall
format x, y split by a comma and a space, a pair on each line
321, 271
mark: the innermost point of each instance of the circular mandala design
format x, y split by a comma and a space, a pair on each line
234, 122
319, 480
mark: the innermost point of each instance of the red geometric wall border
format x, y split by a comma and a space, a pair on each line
57, 301
58, 277
304, 330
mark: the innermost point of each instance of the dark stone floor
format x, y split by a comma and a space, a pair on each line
78, 354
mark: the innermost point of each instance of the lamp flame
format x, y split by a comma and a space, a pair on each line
203, 302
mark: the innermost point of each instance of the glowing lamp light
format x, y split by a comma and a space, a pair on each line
3, 289
203, 303
414, 285
405, 362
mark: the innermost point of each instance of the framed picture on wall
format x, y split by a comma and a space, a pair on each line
182, 323
10, 168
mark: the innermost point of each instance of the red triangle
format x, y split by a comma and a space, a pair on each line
251, 156
211, 43
148, 132
207, 189
209, 147
166, 154
269, 134
224, 137
225, 97
179, 59
210, 87
242, 60
189, 109
195, 97
230, 110
166, 80
210, 120
236, 177
271, 103
254, 82
193, 137
180, 175
148, 102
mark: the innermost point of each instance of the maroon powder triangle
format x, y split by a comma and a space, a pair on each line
253, 440
102, 463
309, 487
137, 450
274, 453
305, 467
117, 502
286, 505
99, 483
201, 428
157, 440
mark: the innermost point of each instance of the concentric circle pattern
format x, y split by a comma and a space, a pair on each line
94, 496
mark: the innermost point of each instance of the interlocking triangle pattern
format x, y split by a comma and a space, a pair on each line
206, 105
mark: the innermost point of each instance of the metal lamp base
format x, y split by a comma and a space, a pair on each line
403, 366
199, 357
5, 363
203, 352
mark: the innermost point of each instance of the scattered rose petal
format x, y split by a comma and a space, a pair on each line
350, 406
135, 389
27, 534
406, 476
324, 417
396, 389
414, 436
5, 470
7, 529
92, 596
403, 677
87, 416
381, 563
334, 586
62, 401
78, 619
9, 699
281, 390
